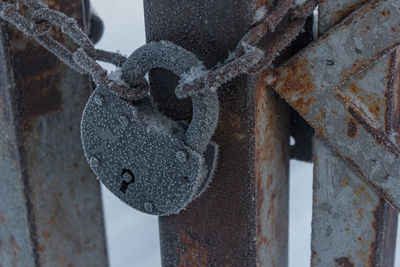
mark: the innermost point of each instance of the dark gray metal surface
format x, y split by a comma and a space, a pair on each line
241, 220
330, 84
50, 206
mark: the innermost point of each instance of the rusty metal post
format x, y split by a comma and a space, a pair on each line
241, 220
339, 84
50, 205
351, 225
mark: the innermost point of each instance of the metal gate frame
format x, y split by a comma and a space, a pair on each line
242, 219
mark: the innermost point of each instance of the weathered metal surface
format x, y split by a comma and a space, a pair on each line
271, 170
331, 12
350, 56
352, 225
241, 220
50, 206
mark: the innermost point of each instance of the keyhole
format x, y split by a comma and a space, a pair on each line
127, 179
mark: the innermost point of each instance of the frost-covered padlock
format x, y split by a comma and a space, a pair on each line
152, 163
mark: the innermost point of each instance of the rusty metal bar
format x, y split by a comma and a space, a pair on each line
338, 86
352, 225
50, 205
241, 220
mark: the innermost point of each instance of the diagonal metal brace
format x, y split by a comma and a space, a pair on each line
344, 85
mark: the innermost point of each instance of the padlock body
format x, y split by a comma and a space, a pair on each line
140, 155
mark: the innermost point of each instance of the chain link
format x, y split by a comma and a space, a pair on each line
248, 58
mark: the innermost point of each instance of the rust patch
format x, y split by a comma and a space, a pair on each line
345, 182
41, 248
344, 262
302, 105
352, 128
191, 254
320, 129
354, 88
296, 85
374, 108
374, 224
46, 235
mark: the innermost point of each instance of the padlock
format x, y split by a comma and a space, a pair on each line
151, 162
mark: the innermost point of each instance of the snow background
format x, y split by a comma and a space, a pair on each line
132, 237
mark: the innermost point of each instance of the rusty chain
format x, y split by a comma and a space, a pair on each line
247, 57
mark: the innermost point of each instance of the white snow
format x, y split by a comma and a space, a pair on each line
116, 76
193, 74
260, 14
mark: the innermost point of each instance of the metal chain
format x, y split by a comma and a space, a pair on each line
248, 58
83, 59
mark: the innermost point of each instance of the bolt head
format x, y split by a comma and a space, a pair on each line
94, 162
124, 121
99, 99
127, 177
149, 207
182, 156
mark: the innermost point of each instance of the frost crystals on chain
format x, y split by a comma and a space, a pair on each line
247, 57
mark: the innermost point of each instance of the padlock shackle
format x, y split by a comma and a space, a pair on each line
178, 60
152, 55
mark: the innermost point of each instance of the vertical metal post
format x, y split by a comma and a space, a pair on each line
352, 225
50, 205
241, 220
